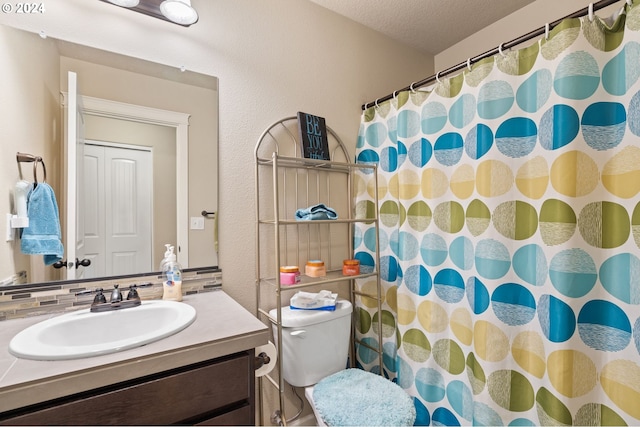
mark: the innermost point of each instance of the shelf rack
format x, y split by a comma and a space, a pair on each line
284, 182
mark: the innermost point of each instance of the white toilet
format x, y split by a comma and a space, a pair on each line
315, 354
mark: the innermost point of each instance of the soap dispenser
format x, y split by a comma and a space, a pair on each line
167, 253
171, 277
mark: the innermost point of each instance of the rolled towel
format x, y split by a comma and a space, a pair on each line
319, 211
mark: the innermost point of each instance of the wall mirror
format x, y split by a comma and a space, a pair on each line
142, 92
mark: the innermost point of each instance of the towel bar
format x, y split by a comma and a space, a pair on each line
25, 158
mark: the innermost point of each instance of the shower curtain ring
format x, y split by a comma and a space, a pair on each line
376, 103
438, 77
500, 50
469, 63
395, 92
411, 87
590, 12
546, 31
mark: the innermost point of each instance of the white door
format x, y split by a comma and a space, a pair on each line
94, 211
118, 202
74, 144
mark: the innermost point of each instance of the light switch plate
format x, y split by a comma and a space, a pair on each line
197, 223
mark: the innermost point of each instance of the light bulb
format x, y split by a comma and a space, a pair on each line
179, 11
125, 3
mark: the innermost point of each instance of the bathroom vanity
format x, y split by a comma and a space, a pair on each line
203, 375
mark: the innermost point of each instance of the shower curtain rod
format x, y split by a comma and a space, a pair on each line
535, 33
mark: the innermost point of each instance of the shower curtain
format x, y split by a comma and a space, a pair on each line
510, 232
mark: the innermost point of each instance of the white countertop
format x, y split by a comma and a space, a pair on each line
222, 327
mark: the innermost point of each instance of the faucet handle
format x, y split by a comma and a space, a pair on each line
99, 298
116, 295
133, 292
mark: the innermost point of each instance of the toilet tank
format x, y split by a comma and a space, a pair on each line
315, 342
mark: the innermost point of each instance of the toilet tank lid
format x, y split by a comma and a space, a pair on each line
297, 318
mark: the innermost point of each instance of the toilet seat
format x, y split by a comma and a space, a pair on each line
357, 397
308, 393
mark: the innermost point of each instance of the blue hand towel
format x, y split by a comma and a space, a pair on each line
43, 235
319, 211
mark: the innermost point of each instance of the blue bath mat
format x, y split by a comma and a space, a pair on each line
354, 397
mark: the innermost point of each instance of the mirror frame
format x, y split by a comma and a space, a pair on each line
178, 121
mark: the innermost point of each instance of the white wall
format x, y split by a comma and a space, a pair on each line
273, 58
521, 22
20, 93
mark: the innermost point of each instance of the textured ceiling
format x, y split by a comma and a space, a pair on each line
428, 25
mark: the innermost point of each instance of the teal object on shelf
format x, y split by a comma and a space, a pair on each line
316, 212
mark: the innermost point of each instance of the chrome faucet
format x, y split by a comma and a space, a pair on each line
117, 301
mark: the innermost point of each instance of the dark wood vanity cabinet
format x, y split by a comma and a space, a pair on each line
215, 392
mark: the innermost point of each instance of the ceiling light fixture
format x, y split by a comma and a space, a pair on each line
179, 11
126, 3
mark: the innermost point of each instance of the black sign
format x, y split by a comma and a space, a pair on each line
313, 136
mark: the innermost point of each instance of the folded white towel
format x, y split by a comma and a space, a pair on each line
323, 300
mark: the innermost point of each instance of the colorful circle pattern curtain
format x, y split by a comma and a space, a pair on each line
510, 234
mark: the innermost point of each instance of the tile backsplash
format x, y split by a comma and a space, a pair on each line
57, 297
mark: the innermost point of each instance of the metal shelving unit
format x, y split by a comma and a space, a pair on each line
285, 181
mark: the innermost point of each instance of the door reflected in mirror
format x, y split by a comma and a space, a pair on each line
117, 184
180, 179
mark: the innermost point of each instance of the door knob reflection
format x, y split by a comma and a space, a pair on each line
85, 263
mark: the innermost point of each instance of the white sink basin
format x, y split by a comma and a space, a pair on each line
83, 334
